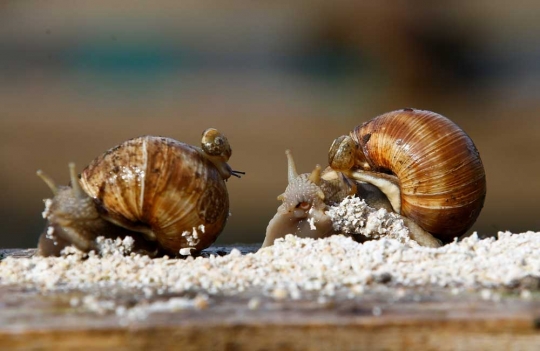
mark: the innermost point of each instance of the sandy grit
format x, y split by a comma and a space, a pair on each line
293, 268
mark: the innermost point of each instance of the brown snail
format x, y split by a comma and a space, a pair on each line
417, 163
166, 194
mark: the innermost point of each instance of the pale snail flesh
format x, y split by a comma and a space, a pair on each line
166, 194
423, 166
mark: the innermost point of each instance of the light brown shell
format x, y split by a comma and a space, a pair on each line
162, 188
441, 176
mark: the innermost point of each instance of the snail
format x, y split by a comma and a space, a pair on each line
416, 163
166, 194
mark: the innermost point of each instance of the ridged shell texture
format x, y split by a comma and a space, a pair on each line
442, 179
161, 187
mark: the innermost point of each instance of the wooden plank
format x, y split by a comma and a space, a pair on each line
424, 319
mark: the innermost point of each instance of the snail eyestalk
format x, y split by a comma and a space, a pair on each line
315, 176
291, 167
237, 173
77, 190
49, 181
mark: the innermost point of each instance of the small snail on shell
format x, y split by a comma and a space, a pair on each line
417, 163
166, 194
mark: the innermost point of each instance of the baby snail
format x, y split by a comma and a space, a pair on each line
416, 163
165, 194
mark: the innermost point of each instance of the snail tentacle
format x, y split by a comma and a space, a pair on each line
315, 176
237, 174
78, 192
48, 180
291, 166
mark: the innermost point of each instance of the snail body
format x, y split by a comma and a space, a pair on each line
167, 194
427, 167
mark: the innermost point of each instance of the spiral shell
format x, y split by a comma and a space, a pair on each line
440, 173
161, 187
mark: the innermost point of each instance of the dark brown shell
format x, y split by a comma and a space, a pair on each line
441, 176
162, 188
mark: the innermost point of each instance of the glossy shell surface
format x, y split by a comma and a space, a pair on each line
441, 176
162, 188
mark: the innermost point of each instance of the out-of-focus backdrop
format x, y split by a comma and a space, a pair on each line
77, 78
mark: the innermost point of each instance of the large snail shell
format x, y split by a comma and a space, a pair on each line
441, 176
162, 188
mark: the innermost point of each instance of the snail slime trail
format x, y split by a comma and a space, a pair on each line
416, 163
169, 196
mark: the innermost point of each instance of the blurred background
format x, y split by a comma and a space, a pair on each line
77, 78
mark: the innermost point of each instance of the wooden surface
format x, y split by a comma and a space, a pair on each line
378, 320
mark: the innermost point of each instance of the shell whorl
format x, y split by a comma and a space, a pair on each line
441, 176
160, 187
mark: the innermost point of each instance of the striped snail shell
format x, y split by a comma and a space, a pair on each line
440, 179
169, 193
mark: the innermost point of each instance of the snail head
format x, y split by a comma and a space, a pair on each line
67, 212
304, 203
303, 192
